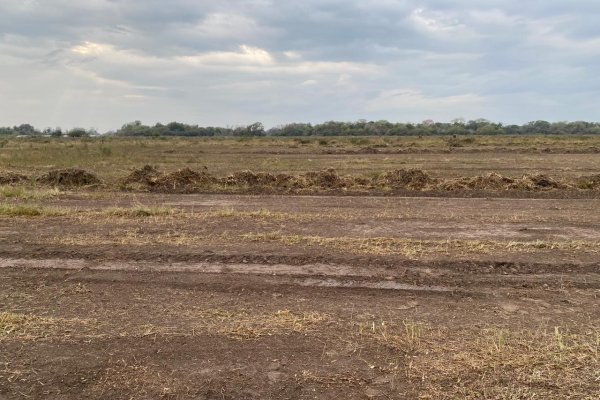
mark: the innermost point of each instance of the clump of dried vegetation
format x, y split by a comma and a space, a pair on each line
186, 180
492, 363
189, 181
31, 326
12, 178
70, 177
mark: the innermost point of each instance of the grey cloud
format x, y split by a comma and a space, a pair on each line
104, 62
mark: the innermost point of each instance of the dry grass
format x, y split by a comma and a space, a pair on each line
410, 248
416, 247
164, 212
251, 325
32, 327
492, 363
503, 364
262, 214
234, 324
114, 157
136, 238
402, 337
11, 323
435, 361
238, 324
331, 379
582, 213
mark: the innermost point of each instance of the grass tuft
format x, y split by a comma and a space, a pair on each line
22, 210
20, 192
11, 322
141, 211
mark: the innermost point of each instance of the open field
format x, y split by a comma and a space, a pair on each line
528, 167
111, 158
141, 294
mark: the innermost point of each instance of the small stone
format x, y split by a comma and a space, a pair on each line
408, 306
372, 393
274, 366
510, 307
275, 376
382, 380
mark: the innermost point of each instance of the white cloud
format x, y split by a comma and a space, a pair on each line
435, 22
495, 18
247, 55
411, 98
222, 27
292, 55
92, 49
547, 34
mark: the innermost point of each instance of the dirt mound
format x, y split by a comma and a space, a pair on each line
250, 178
11, 178
494, 182
413, 178
147, 175
69, 177
184, 180
491, 181
537, 182
326, 179
368, 150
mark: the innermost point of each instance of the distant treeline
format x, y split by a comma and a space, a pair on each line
331, 128
30, 130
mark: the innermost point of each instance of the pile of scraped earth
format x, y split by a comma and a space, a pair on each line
69, 177
186, 180
150, 179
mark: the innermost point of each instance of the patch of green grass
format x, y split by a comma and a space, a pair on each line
25, 210
141, 211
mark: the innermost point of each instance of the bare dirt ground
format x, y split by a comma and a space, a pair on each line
144, 296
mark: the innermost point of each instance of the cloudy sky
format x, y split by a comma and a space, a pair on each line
101, 63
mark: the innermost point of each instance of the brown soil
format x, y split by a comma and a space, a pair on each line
145, 176
396, 182
182, 181
224, 299
408, 178
494, 181
71, 177
189, 181
250, 178
326, 179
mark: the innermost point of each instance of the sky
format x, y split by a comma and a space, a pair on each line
102, 63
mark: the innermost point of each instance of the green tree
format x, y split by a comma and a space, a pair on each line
77, 132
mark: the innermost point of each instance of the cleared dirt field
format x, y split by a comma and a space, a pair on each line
211, 296
137, 295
